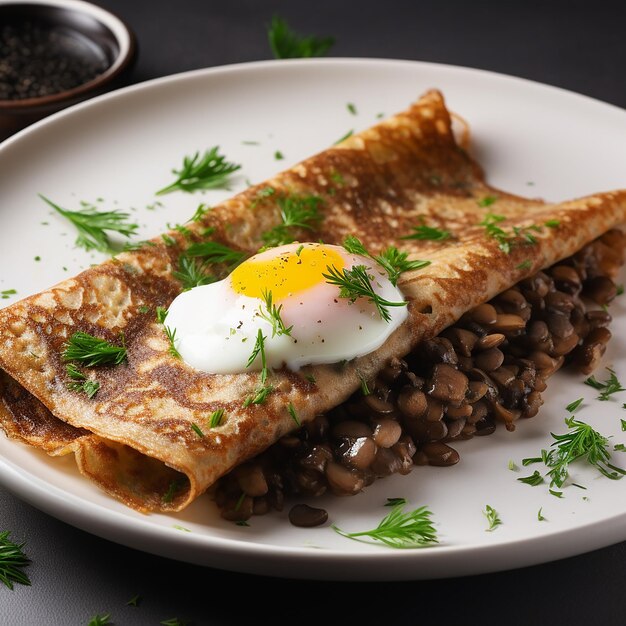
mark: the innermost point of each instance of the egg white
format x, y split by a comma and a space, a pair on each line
216, 328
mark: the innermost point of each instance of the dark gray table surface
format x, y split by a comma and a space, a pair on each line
574, 45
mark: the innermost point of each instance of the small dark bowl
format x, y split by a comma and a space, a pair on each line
99, 30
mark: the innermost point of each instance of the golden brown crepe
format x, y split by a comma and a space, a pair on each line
135, 437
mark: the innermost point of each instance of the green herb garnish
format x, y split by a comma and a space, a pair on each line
12, 562
259, 349
216, 417
100, 620
286, 44
259, 396
428, 233
487, 201
7, 293
209, 171
296, 211
192, 273
398, 529
555, 493
581, 442
278, 155
134, 601
492, 517
506, 240
619, 290
552, 223
196, 429
572, 406
623, 422
271, 314
92, 225
395, 502
513, 466
365, 390
608, 387
524, 265
294, 415
356, 283
540, 516
92, 351
161, 314
534, 479
80, 382
619, 447
171, 337
215, 252
393, 261
344, 137
351, 108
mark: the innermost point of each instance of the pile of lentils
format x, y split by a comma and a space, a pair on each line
38, 59
488, 368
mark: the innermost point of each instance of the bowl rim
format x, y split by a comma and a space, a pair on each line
126, 40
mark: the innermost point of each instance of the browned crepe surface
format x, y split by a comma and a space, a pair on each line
143, 449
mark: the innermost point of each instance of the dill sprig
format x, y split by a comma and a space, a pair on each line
610, 386
296, 211
422, 232
398, 529
534, 479
92, 225
259, 396
506, 240
286, 44
356, 283
215, 419
271, 314
209, 171
100, 620
192, 273
581, 442
12, 561
196, 429
392, 260
171, 337
259, 349
80, 382
215, 252
572, 406
395, 502
492, 518
92, 351
294, 414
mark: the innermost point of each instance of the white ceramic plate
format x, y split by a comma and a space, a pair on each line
532, 139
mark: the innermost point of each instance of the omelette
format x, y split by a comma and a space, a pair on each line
137, 436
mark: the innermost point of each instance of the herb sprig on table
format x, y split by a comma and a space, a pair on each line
287, 44
12, 562
92, 225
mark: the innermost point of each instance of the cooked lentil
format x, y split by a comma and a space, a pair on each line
488, 368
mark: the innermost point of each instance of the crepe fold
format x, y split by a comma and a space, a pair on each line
135, 438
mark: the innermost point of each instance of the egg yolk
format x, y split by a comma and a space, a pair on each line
288, 273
